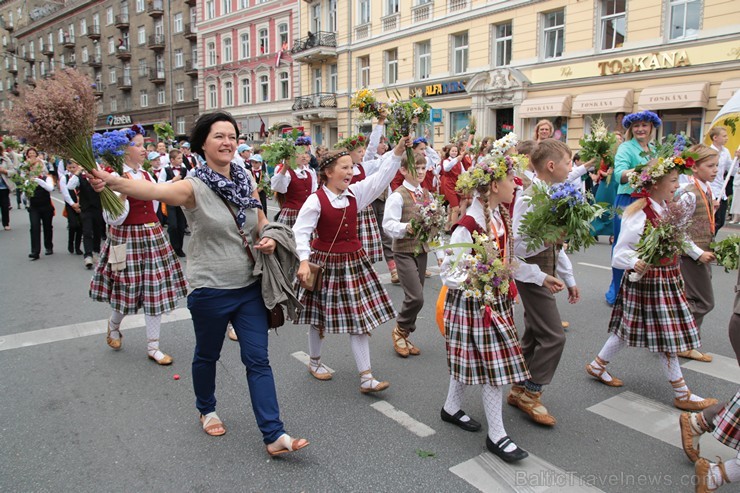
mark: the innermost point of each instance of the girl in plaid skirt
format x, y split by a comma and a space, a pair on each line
482, 342
350, 299
651, 312
150, 277
293, 187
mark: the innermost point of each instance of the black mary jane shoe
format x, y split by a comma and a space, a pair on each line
471, 425
498, 449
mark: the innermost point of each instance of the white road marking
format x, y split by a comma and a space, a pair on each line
65, 332
654, 419
490, 474
595, 266
416, 427
721, 367
305, 358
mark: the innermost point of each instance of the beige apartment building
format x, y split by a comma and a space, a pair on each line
141, 55
510, 63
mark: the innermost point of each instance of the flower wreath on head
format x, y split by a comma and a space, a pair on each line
135, 130
642, 116
303, 140
491, 168
332, 158
645, 175
351, 143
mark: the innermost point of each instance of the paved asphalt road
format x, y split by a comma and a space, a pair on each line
77, 416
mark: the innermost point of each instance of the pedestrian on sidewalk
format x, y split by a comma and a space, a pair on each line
7, 186
71, 210
91, 215
40, 207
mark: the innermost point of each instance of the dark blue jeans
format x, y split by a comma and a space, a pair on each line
620, 203
211, 310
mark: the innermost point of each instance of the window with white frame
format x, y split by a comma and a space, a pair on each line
613, 23
180, 125
195, 88
212, 96
124, 7
161, 97
126, 40
143, 98
112, 78
126, 102
111, 46
263, 40
228, 51
179, 59
246, 90
85, 55
363, 12
180, 92
423, 59
228, 93
684, 18
193, 17
143, 67
177, 22
503, 41
139, 6
244, 51
333, 78
284, 85
60, 36
49, 40
553, 33
159, 27
391, 66
194, 55
332, 16
211, 53
96, 21
109, 16
317, 85
283, 34
264, 88
83, 27
42, 71
32, 49
392, 7
315, 18
41, 44
363, 76
113, 104
226, 7
141, 35
243, 4
210, 10
459, 53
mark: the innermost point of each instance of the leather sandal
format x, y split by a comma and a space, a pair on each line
399, 343
413, 350
514, 395
696, 355
689, 439
394, 277
702, 469
598, 373
210, 423
289, 445
530, 403
325, 375
684, 402
114, 343
367, 376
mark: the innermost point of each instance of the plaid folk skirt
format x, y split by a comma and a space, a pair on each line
480, 352
152, 279
727, 423
351, 299
653, 312
288, 216
369, 234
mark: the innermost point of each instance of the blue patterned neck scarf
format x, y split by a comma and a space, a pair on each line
238, 192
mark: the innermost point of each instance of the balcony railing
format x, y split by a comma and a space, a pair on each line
94, 61
123, 53
11, 47
189, 32
121, 21
363, 31
47, 51
315, 101
155, 8
391, 22
191, 69
156, 42
15, 92
98, 88
13, 70
93, 32
457, 5
30, 81
321, 38
422, 12
156, 75
124, 83
68, 41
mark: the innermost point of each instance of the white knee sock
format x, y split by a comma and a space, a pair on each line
454, 399
672, 370
153, 324
732, 468
360, 345
493, 398
612, 346
314, 350
115, 324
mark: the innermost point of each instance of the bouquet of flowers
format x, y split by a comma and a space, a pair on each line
660, 244
25, 179
10, 143
110, 147
557, 213
727, 252
59, 115
285, 149
264, 183
403, 117
472, 125
164, 132
430, 218
599, 144
504, 144
366, 103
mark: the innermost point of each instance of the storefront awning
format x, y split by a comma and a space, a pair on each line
693, 95
603, 102
549, 106
727, 90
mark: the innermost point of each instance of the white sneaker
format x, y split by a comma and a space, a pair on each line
88, 263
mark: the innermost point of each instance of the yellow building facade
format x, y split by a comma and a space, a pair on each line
510, 63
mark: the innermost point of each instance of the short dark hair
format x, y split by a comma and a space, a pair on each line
549, 150
202, 128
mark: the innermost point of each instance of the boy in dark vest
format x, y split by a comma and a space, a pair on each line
410, 255
544, 336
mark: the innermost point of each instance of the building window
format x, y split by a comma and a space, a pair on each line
143, 98
613, 23
264, 88
210, 12
85, 55
364, 12
212, 99
139, 6
688, 121
109, 16
194, 55
554, 33
503, 44
180, 124
458, 121
111, 46
83, 27
333, 78
177, 23
246, 85
180, 92
363, 77
143, 70
316, 18
284, 85
423, 59
211, 53
226, 7
685, 17
332, 16
179, 59
227, 50
112, 78
459, 53
195, 88
391, 66
161, 96
391, 7
243, 4
141, 35
113, 104
317, 80
228, 93
263, 41
283, 35
244, 42
49, 40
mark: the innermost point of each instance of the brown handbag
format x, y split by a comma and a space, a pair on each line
275, 317
316, 271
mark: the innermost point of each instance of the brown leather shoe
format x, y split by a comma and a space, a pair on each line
702, 469
689, 440
686, 404
326, 375
695, 355
514, 394
598, 374
530, 403
399, 343
394, 277
413, 350
114, 343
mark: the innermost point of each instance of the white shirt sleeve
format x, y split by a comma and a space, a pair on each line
372, 145
305, 224
446, 272
47, 184
64, 188
689, 200
372, 166
565, 269
370, 188
576, 173
280, 181
116, 221
392, 224
526, 272
315, 182
448, 164
73, 182
433, 159
625, 255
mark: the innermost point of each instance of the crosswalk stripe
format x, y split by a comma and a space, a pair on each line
305, 358
595, 266
73, 331
720, 367
490, 474
654, 419
416, 427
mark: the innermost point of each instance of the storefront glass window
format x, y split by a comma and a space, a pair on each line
458, 121
559, 124
685, 120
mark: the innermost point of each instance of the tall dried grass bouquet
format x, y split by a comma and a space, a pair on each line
58, 116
